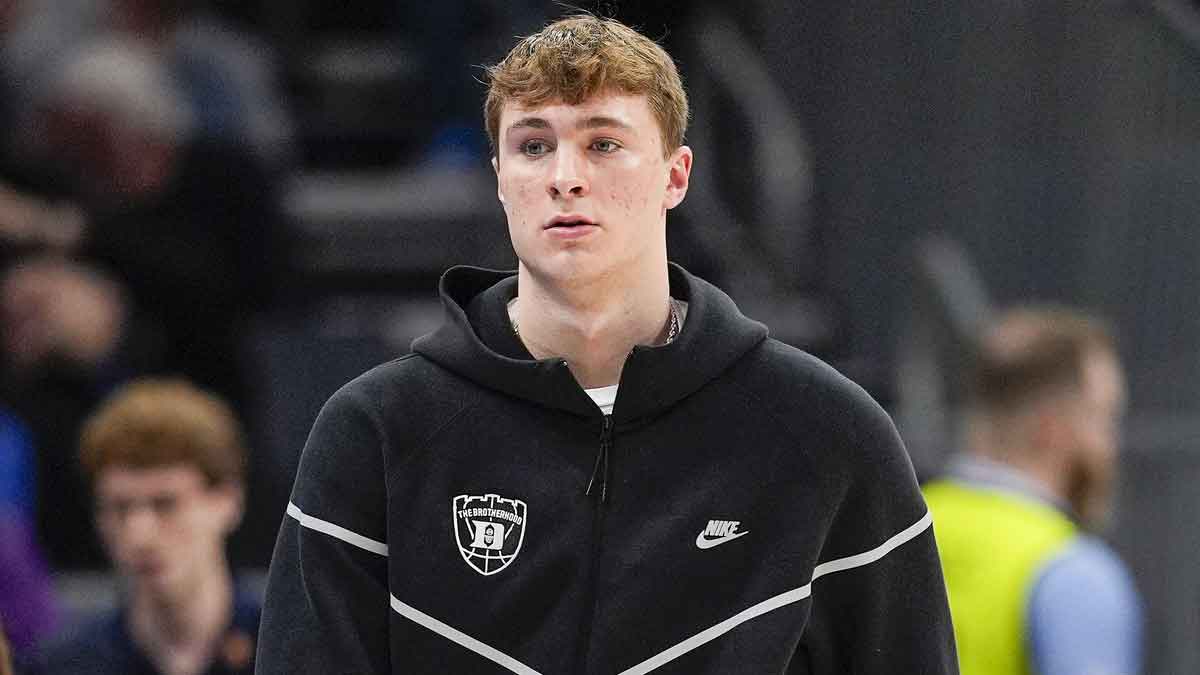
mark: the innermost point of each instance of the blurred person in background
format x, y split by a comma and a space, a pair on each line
167, 465
181, 221
1030, 589
32, 224
34, 36
227, 75
67, 338
149, 256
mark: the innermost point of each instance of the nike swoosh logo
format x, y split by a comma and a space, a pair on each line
703, 542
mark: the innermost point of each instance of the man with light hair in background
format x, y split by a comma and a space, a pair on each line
167, 467
1030, 590
669, 489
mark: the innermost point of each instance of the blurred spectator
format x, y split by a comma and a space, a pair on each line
31, 224
28, 611
169, 235
54, 309
229, 77
67, 338
34, 37
182, 222
167, 465
1029, 590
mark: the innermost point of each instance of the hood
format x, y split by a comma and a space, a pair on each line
477, 342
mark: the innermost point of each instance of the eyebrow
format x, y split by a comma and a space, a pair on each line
600, 121
595, 122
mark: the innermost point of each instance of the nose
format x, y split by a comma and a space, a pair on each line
140, 527
568, 177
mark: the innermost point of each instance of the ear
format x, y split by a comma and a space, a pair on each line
230, 498
680, 171
496, 169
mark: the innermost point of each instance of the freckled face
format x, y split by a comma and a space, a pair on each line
586, 188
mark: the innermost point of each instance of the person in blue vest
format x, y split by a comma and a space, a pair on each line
167, 464
1031, 589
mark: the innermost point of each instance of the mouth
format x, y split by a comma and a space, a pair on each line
147, 568
569, 221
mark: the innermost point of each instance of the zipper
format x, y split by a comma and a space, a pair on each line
599, 475
600, 468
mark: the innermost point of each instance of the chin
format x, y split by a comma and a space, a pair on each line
566, 268
163, 584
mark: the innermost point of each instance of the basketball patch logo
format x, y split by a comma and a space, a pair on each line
489, 531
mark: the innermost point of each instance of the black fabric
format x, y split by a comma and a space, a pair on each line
722, 424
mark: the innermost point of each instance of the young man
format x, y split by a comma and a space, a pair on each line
167, 464
492, 503
1030, 592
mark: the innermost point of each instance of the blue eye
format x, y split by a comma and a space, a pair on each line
534, 148
605, 145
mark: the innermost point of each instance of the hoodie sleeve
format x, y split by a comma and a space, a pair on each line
326, 608
879, 602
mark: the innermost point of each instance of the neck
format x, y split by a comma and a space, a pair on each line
1007, 442
167, 622
593, 326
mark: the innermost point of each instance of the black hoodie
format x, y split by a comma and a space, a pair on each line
467, 509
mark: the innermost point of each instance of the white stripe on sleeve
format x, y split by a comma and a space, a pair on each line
336, 531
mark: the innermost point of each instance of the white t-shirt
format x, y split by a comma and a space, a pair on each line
604, 397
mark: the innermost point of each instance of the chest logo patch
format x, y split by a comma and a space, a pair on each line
489, 530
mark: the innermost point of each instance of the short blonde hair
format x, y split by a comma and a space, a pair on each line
157, 422
580, 56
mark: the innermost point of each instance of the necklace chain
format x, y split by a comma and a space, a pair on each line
672, 319
673, 327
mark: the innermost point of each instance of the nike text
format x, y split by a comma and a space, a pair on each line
718, 532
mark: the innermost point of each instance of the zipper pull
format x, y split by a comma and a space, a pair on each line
600, 468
